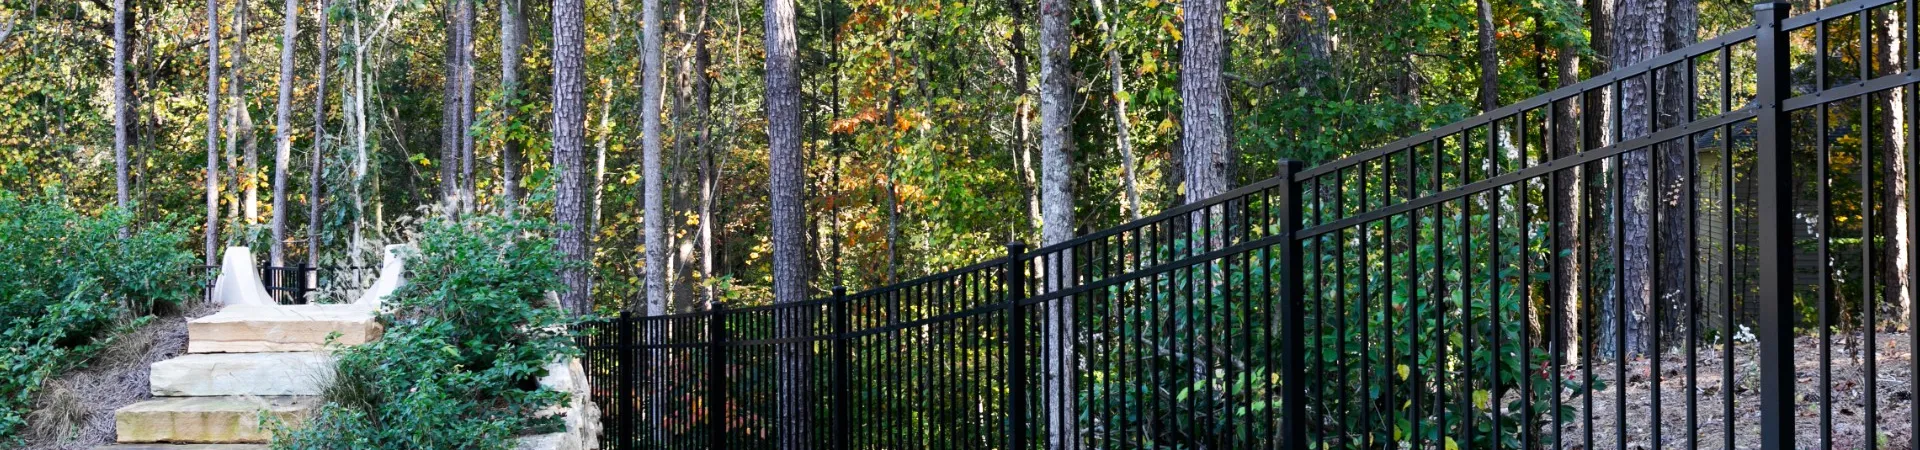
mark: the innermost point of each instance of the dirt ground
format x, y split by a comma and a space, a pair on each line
75, 411
1849, 393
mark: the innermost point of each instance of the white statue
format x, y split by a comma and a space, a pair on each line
239, 282
392, 273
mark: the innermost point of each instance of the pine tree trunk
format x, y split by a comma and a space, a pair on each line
212, 229
1680, 26
450, 116
1056, 206
1203, 97
314, 198
788, 229
241, 143
1891, 48
570, 201
283, 132
1567, 230
709, 167
1639, 36
465, 185
1022, 128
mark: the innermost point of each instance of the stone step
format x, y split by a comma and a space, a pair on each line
208, 419
222, 374
183, 447
276, 328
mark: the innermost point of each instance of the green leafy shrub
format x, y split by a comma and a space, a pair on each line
70, 282
466, 341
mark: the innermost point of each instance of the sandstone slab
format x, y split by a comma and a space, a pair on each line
208, 419
183, 447
276, 328
260, 374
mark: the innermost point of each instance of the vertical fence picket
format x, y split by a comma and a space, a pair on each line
717, 377
1015, 277
842, 357
1292, 309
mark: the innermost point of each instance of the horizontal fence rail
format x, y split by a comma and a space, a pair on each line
1709, 249
296, 285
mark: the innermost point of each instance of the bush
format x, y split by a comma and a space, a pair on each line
70, 282
466, 342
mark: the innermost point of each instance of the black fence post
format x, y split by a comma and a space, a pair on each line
306, 283
1016, 337
623, 435
842, 406
717, 377
1774, 168
1293, 366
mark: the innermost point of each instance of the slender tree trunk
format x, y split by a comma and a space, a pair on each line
1056, 205
602, 130
1890, 47
1566, 142
450, 116
1022, 127
1203, 97
465, 131
1489, 60
283, 132
570, 201
314, 198
513, 37
709, 169
1680, 27
121, 113
1122, 130
1639, 36
787, 210
212, 230
240, 143
359, 115
655, 214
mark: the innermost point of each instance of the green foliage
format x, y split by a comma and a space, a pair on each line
466, 341
70, 283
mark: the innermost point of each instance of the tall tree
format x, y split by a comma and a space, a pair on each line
785, 169
212, 237
569, 158
120, 109
464, 16
1122, 130
1056, 205
314, 198
283, 132
1022, 126
1489, 96
1203, 101
513, 38
243, 136
450, 116
1638, 35
1566, 142
655, 212
1680, 24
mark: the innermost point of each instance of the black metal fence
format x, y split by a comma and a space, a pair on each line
295, 285
1709, 249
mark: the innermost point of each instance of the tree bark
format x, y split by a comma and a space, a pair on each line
121, 112
1022, 128
1122, 130
1639, 36
570, 201
314, 198
1056, 206
212, 231
1679, 27
788, 229
450, 116
655, 213
1890, 47
283, 131
465, 186
241, 142
1203, 97
513, 38
1489, 59
1567, 229
709, 167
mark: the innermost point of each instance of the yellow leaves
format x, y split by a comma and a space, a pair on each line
1451, 445
1403, 371
1481, 399
1167, 26
1153, 4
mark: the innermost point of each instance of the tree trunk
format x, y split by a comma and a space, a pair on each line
570, 201
654, 214
1489, 60
1203, 97
1890, 47
240, 143
464, 131
513, 37
120, 110
709, 169
1022, 151
283, 131
1567, 230
1642, 24
212, 231
1056, 206
1122, 130
788, 229
314, 198
450, 116
1680, 26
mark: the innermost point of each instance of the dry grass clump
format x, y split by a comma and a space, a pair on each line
75, 410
